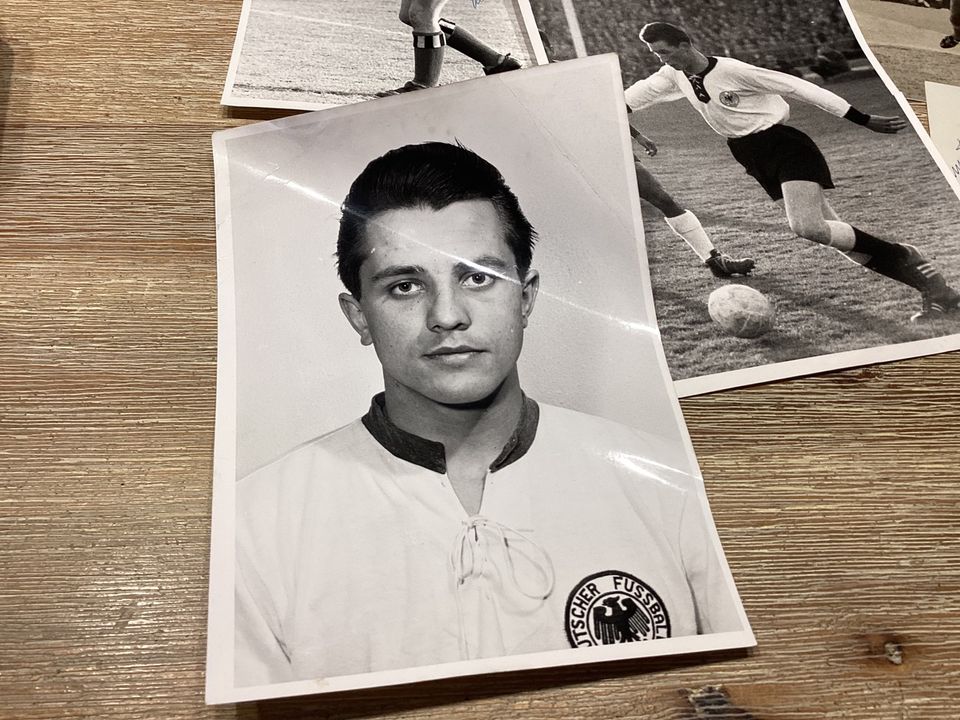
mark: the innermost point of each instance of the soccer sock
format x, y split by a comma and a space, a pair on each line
464, 42
427, 58
893, 260
689, 228
843, 236
842, 239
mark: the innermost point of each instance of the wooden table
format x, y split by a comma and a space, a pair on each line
836, 496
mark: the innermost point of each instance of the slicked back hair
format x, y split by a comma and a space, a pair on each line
664, 32
429, 175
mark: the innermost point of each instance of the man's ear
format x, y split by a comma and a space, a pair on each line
351, 309
529, 289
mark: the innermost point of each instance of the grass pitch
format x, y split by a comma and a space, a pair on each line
906, 41
332, 52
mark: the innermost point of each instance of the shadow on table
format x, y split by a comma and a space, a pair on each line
437, 693
252, 113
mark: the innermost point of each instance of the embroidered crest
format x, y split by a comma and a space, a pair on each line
614, 607
728, 98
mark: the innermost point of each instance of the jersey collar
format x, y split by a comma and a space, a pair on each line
430, 454
696, 80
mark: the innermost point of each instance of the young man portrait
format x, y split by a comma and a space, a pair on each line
459, 518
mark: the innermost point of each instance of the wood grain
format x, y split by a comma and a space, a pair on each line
836, 496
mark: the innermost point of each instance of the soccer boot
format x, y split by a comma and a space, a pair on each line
918, 272
506, 65
936, 304
949, 42
408, 86
725, 266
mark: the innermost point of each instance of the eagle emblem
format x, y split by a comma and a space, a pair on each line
728, 98
614, 607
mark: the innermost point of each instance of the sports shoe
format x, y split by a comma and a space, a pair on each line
920, 273
725, 266
949, 42
506, 65
408, 86
936, 304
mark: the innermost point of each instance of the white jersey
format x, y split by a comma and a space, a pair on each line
736, 99
351, 559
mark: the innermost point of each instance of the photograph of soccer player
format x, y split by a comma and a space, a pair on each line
319, 54
745, 104
773, 91
448, 442
683, 222
456, 492
431, 33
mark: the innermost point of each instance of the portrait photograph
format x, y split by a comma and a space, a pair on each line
914, 41
315, 54
797, 218
447, 442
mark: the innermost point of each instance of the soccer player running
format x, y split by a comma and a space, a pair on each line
431, 33
952, 40
745, 104
681, 221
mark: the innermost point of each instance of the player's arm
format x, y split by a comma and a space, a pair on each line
658, 88
763, 80
713, 595
649, 147
259, 658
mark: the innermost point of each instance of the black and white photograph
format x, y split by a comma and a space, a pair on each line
447, 441
315, 54
914, 41
796, 217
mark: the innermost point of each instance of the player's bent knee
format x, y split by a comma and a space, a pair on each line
404, 16
421, 17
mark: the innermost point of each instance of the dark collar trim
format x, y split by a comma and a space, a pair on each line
711, 64
430, 454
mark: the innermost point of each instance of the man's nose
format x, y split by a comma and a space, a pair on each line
448, 310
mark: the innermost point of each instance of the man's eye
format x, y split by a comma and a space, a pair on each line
406, 287
479, 279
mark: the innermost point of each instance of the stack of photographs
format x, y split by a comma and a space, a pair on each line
454, 321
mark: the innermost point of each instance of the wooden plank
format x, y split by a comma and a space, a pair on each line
836, 496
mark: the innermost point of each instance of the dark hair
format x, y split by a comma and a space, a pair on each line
432, 175
663, 32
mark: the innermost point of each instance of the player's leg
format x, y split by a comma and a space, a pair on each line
423, 17
686, 225
954, 39
808, 217
463, 41
830, 215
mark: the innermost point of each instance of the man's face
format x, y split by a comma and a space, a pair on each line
442, 303
680, 57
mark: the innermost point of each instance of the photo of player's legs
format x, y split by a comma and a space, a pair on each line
680, 220
811, 217
953, 39
687, 226
431, 34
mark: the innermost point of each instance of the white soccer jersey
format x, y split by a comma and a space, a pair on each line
351, 559
740, 99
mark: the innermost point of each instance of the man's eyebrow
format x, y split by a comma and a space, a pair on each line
484, 262
397, 270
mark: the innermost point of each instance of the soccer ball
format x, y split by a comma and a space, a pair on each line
741, 310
